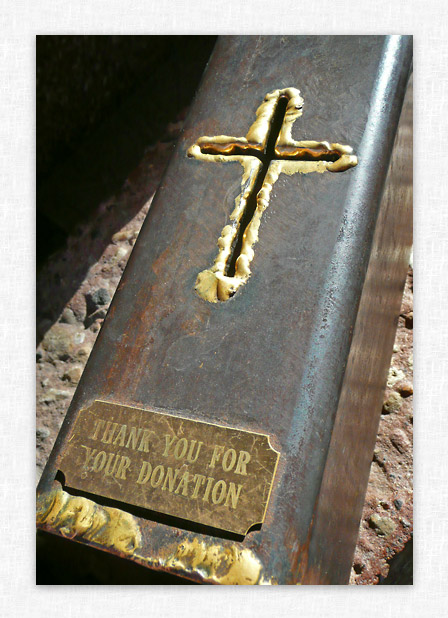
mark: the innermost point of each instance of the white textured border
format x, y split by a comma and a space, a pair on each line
20, 21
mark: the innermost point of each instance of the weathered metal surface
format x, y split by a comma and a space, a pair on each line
200, 472
272, 359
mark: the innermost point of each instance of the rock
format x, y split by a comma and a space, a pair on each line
406, 389
398, 503
54, 394
100, 297
392, 403
383, 526
120, 254
73, 375
395, 375
406, 304
83, 353
409, 319
79, 338
400, 441
42, 433
124, 235
379, 457
79, 307
405, 523
97, 299
97, 304
99, 314
58, 342
67, 316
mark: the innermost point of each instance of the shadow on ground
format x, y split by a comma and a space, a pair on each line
101, 102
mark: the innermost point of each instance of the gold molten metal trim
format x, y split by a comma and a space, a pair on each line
213, 284
78, 517
75, 517
216, 564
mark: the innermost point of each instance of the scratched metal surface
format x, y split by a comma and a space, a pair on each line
271, 359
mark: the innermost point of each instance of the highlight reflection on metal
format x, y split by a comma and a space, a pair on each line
260, 168
212, 475
76, 517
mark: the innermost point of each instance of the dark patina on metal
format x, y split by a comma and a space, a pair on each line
300, 353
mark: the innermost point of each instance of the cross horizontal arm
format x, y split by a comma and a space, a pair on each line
223, 144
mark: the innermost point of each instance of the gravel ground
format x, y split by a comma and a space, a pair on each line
74, 289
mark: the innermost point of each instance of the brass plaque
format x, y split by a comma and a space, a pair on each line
204, 473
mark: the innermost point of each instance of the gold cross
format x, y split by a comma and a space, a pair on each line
267, 151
